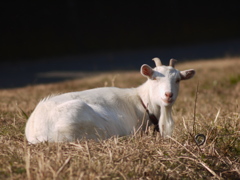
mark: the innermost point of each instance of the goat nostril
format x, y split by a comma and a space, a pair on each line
169, 94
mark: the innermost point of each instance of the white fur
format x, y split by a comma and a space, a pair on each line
105, 112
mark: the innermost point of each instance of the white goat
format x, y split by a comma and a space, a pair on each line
105, 112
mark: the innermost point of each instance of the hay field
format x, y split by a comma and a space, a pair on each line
142, 155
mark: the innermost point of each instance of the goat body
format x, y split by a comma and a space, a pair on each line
96, 113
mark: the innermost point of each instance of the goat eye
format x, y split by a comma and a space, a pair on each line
178, 80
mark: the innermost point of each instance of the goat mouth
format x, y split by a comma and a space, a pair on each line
168, 100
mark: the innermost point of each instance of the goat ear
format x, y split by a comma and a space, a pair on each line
187, 74
147, 71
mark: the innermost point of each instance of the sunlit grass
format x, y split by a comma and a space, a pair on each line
143, 155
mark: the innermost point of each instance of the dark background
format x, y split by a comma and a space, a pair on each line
73, 35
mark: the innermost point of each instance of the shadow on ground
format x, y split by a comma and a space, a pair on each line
23, 73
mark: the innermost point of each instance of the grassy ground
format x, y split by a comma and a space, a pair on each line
139, 156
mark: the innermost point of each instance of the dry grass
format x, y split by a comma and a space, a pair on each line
140, 156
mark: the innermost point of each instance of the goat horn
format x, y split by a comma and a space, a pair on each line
172, 62
157, 61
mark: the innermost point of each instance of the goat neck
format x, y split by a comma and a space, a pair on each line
144, 94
